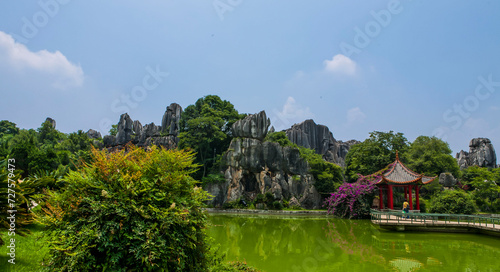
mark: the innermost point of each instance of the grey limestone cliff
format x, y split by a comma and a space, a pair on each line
318, 137
256, 167
481, 153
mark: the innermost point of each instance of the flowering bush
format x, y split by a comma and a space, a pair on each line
353, 200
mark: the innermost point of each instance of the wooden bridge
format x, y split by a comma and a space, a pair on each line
396, 220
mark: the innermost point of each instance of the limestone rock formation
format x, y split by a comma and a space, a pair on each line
51, 121
447, 180
171, 119
318, 137
125, 130
129, 131
254, 126
93, 134
256, 167
481, 153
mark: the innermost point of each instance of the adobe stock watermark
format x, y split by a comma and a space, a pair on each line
456, 116
312, 263
126, 102
40, 19
364, 36
223, 6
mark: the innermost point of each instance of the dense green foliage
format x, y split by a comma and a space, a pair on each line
374, 153
205, 127
43, 150
127, 211
484, 186
328, 176
431, 156
452, 202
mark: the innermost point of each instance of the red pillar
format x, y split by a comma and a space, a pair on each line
411, 203
418, 198
391, 206
406, 194
381, 196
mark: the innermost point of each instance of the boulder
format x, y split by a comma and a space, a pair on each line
171, 119
447, 180
481, 153
93, 134
254, 126
109, 140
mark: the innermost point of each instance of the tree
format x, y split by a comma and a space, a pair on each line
452, 202
8, 128
205, 127
431, 156
47, 134
129, 211
374, 153
484, 185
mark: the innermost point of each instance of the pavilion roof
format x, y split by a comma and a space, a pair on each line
400, 174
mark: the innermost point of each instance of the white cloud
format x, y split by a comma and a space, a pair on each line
62, 73
291, 113
355, 115
340, 64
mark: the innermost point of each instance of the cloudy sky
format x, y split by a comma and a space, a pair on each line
421, 68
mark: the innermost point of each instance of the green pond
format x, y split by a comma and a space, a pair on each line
298, 243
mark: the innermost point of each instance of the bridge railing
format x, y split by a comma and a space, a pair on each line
476, 220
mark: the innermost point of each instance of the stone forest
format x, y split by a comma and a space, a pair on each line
212, 189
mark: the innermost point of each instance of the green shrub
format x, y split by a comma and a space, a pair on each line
452, 202
129, 211
259, 199
276, 205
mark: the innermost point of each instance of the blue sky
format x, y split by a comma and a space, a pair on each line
421, 68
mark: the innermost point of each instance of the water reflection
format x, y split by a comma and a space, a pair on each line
280, 243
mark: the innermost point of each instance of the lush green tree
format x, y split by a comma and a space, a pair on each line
7, 129
129, 211
374, 153
484, 185
452, 202
22, 147
431, 156
47, 134
328, 176
205, 127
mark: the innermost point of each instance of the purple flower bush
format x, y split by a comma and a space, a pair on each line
353, 200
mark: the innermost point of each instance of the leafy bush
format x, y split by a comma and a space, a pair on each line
129, 211
276, 205
453, 202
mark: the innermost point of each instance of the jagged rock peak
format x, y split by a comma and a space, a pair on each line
125, 129
253, 126
171, 119
51, 121
481, 153
93, 134
318, 137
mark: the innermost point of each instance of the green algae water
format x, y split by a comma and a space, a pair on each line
298, 243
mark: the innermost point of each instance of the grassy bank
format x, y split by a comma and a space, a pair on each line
30, 251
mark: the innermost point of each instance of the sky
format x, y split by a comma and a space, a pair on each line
418, 67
